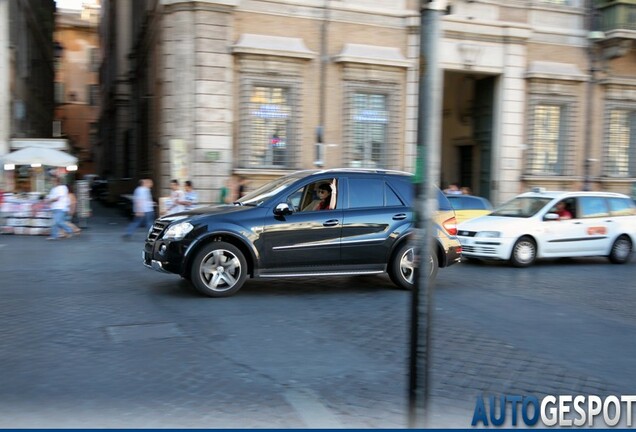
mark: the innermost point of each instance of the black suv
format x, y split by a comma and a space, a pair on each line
282, 230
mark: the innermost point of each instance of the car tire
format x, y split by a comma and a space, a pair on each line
402, 267
621, 250
219, 270
524, 252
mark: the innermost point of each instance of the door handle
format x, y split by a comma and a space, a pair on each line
331, 222
399, 216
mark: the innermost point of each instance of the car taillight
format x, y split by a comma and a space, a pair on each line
450, 225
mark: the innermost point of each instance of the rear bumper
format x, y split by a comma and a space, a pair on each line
453, 255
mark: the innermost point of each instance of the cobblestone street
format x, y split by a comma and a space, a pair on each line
90, 338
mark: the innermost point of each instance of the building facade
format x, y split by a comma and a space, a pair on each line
536, 92
26, 71
77, 95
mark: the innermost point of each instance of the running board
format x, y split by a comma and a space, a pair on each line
345, 273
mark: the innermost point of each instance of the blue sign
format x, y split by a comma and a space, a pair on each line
270, 111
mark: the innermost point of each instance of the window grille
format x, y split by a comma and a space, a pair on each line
93, 59
620, 152
550, 141
547, 139
93, 94
268, 126
371, 132
369, 119
59, 92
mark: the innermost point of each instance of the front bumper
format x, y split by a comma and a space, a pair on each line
166, 256
152, 264
489, 248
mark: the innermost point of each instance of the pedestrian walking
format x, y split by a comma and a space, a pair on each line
59, 202
143, 206
177, 198
190, 197
72, 211
229, 191
242, 187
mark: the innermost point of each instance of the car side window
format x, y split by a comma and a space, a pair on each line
405, 188
457, 202
319, 195
622, 207
443, 204
591, 207
475, 203
294, 199
390, 197
365, 193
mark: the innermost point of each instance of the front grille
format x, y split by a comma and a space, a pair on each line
466, 233
482, 250
157, 229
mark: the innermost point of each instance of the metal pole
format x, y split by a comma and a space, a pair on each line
427, 170
324, 58
588, 129
593, 37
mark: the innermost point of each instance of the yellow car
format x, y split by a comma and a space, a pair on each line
469, 206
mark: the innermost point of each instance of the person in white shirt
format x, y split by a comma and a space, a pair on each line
191, 199
176, 198
143, 207
59, 203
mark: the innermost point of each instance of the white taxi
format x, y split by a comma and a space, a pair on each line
542, 224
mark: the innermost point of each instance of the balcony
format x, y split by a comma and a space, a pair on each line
617, 18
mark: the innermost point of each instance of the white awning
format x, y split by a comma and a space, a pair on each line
43, 156
51, 143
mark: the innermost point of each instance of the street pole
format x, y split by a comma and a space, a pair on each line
319, 160
427, 173
593, 37
587, 168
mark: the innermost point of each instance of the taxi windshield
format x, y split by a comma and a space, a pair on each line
521, 207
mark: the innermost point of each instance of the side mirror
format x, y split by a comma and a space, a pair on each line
282, 209
551, 217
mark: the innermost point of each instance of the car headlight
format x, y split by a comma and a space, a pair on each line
178, 231
488, 234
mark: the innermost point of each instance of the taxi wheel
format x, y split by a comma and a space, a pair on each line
402, 267
219, 270
524, 252
621, 250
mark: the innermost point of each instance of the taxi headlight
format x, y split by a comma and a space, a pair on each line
488, 234
178, 231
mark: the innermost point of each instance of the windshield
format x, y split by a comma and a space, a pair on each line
521, 207
257, 197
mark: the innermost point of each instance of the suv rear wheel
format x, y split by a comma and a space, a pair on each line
402, 267
219, 270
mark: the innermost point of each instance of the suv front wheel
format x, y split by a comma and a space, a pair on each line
402, 267
219, 270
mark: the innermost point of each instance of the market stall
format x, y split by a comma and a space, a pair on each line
25, 214
27, 171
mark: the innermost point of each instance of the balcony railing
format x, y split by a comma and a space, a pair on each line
617, 14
